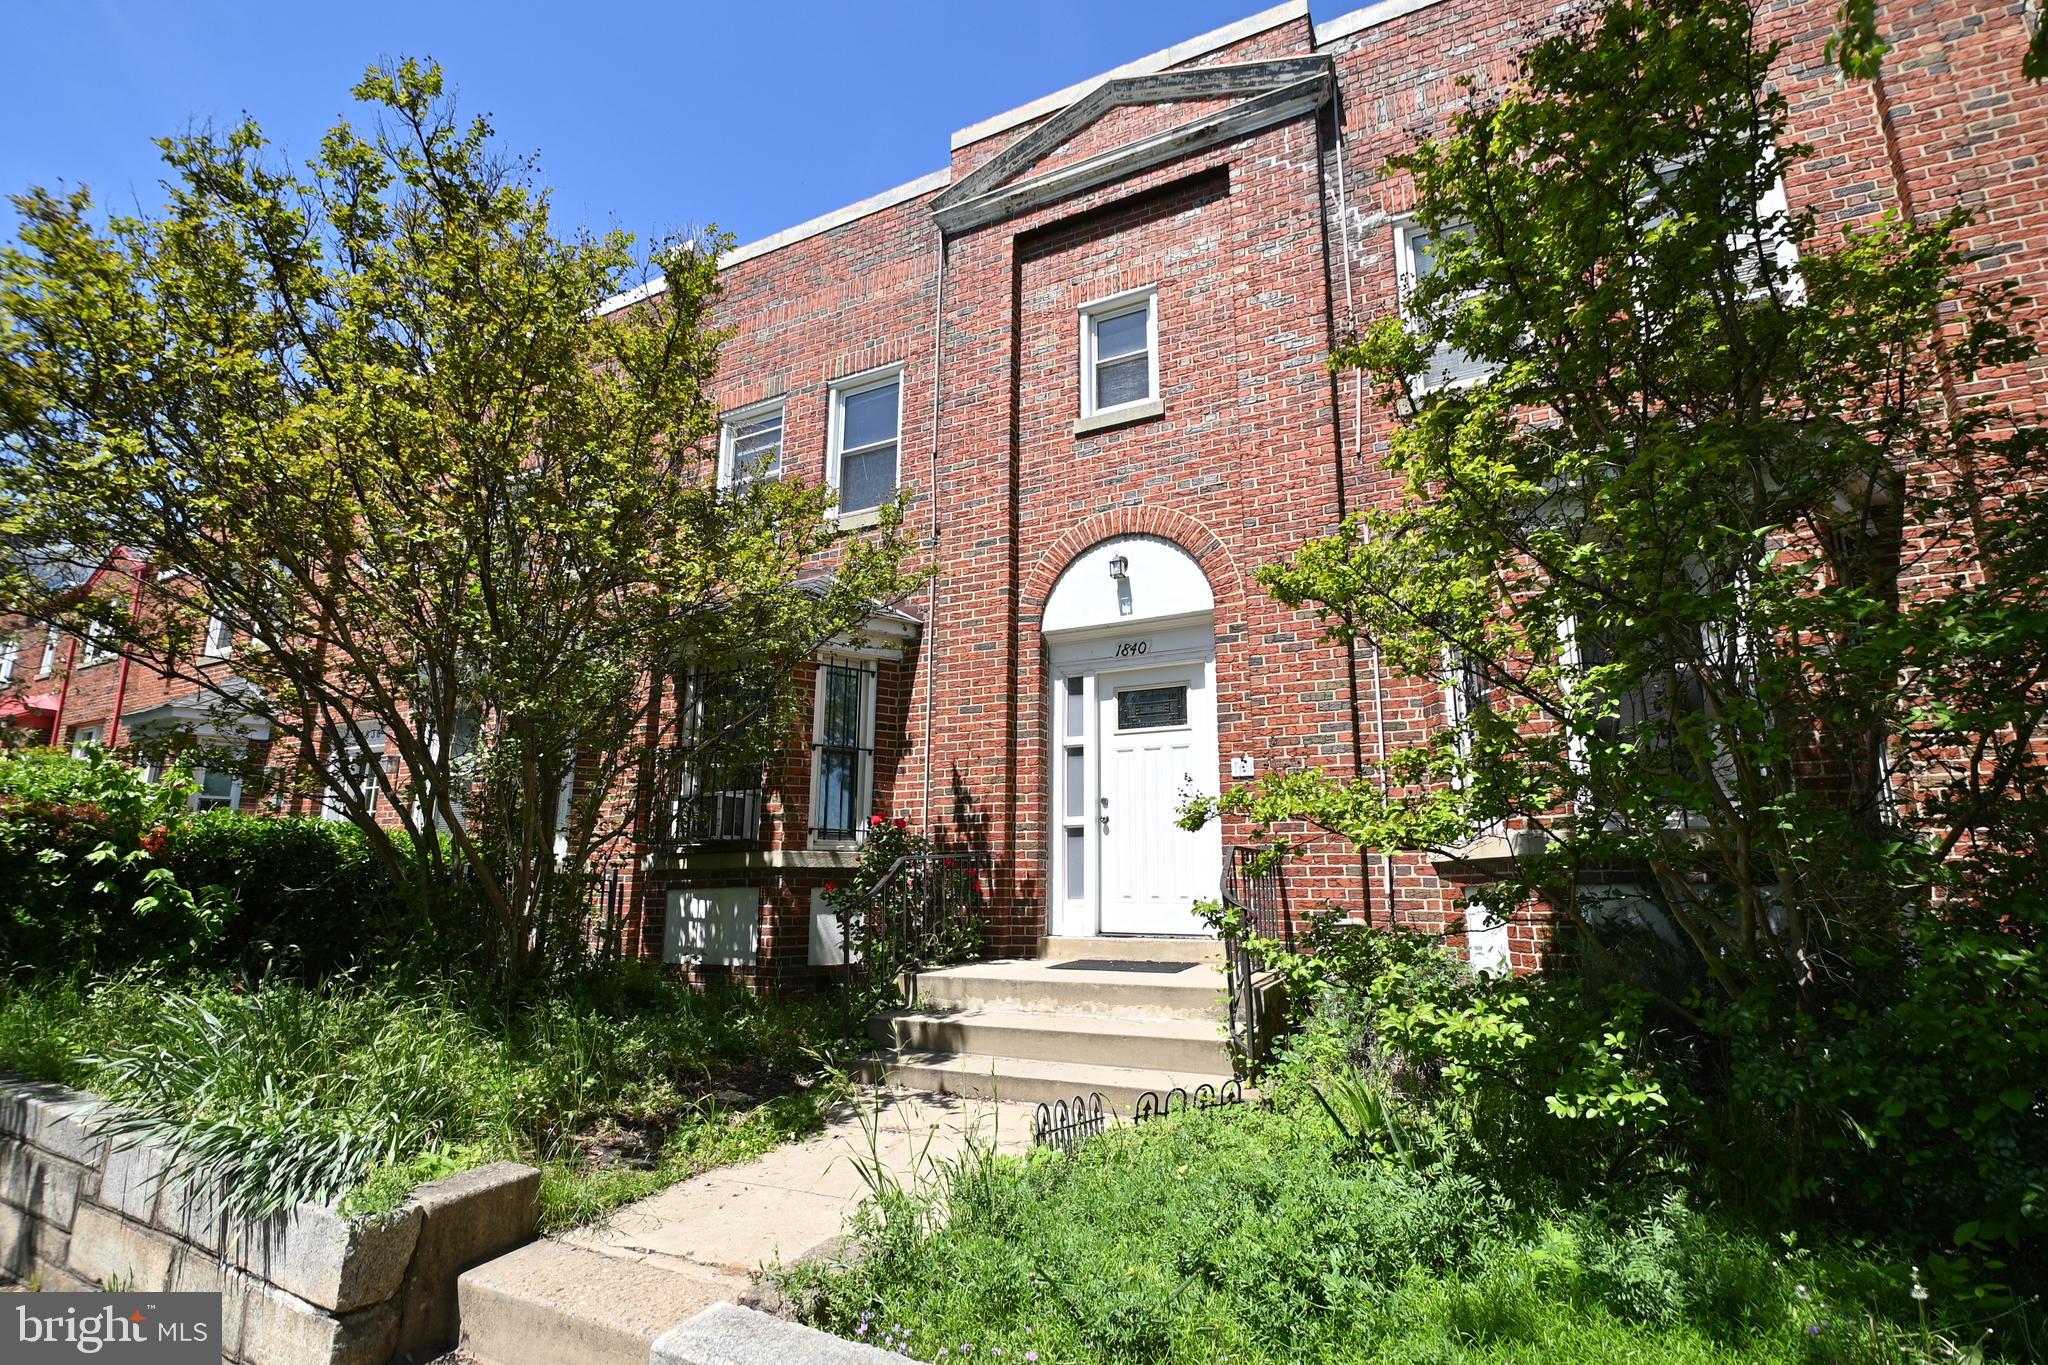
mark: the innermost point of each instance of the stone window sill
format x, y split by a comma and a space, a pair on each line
1116, 417
858, 521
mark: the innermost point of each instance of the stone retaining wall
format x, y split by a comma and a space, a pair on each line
307, 1286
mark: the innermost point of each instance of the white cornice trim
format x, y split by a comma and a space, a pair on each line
1250, 115
1344, 25
1143, 66
824, 222
887, 199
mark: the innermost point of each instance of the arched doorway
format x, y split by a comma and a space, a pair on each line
1130, 633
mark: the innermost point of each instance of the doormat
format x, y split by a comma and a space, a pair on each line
1117, 964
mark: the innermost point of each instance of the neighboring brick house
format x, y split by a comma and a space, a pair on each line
63, 689
1092, 350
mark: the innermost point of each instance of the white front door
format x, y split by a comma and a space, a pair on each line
1156, 745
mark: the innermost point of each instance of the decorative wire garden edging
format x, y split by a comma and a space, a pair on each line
1067, 1125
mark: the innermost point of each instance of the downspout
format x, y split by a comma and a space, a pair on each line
1379, 701
121, 682
64, 689
931, 625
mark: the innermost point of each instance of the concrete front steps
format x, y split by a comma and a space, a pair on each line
553, 1303
1032, 1031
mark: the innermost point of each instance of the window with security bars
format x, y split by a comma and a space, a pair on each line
842, 751
721, 774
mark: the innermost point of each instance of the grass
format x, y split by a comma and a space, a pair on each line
1264, 1235
356, 1090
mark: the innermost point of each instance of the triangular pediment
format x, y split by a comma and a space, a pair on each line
1126, 124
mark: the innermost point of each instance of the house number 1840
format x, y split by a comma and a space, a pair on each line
1131, 649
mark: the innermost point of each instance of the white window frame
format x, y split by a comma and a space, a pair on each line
1407, 277
728, 477
84, 735
373, 756
198, 800
1458, 705
864, 776
1098, 311
1782, 247
10, 656
219, 625
51, 639
843, 389
94, 648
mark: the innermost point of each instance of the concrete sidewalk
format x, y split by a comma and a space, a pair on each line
602, 1295
732, 1221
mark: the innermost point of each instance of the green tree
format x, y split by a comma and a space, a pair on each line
363, 412
1739, 590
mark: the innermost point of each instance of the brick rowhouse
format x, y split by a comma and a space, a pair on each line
1103, 325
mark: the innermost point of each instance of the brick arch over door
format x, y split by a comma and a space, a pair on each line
1201, 544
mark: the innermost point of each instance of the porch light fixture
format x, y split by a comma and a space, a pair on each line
1119, 568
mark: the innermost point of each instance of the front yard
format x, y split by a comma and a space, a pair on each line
1264, 1235
616, 1085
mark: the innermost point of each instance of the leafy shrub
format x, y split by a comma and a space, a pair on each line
79, 878
1924, 1108
306, 896
102, 868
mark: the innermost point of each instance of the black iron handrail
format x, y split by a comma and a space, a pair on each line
1254, 890
924, 912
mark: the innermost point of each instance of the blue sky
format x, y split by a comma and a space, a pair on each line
650, 117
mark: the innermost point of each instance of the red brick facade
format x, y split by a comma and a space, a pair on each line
1242, 177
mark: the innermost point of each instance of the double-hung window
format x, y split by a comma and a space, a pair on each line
1119, 352
1416, 250
99, 644
842, 751
750, 448
220, 636
9, 653
84, 737
219, 789
1465, 695
51, 637
354, 764
866, 431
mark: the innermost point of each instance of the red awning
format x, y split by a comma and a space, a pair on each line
34, 706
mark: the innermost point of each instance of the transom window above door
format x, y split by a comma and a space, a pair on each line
1120, 352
